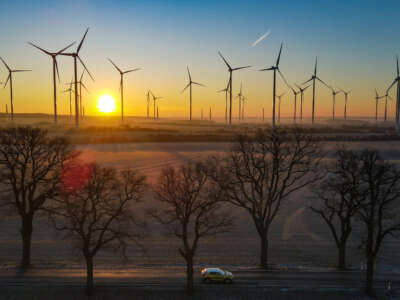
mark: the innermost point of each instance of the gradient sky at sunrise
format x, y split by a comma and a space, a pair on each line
355, 41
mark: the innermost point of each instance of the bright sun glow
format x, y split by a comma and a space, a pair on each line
106, 104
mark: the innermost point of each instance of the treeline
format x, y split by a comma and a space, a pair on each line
97, 208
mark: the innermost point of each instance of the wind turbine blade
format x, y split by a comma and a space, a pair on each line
229, 67
21, 71
235, 69
84, 86
220, 91
190, 77
85, 68
56, 65
307, 81
118, 69
279, 56
185, 87
198, 83
306, 87
8, 68
133, 70
41, 49
8, 78
80, 44
388, 89
397, 64
284, 79
268, 69
315, 69
83, 73
62, 50
323, 83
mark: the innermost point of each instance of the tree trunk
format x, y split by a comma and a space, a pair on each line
369, 287
89, 275
26, 234
189, 275
264, 251
342, 256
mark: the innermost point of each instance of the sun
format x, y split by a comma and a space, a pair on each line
106, 104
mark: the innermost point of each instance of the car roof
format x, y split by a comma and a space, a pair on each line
212, 269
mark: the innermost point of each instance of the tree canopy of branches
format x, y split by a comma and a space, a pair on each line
98, 214
380, 212
190, 209
30, 166
339, 198
262, 171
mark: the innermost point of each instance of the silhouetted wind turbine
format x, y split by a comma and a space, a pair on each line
239, 96
226, 100
313, 78
154, 102
55, 70
70, 90
9, 79
121, 85
279, 107
148, 103
386, 99
295, 93
274, 69
345, 103
80, 82
75, 56
302, 99
230, 70
334, 93
189, 85
377, 97
396, 80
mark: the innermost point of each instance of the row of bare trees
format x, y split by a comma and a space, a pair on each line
97, 209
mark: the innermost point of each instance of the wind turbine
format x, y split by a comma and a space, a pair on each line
396, 80
189, 85
239, 96
313, 78
226, 100
231, 70
279, 106
80, 82
334, 93
154, 102
70, 90
148, 103
301, 99
274, 69
121, 85
377, 97
345, 102
55, 70
9, 79
295, 93
386, 99
75, 56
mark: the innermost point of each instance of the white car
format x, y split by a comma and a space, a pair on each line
216, 275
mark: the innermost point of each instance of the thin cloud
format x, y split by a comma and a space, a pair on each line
262, 37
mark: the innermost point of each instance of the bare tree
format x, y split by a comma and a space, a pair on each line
191, 209
30, 166
339, 197
98, 215
262, 171
380, 212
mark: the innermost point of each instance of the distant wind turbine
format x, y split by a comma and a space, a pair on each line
154, 103
189, 85
386, 99
397, 80
274, 69
295, 93
262, 37
80, 102
10, 79
345, 103
226, 100
121, 85
231, 70
75, 56
334, 93
239, 97
313, 78
302, 90
148, 103
279, 107
377, 97
55, 70
70, 90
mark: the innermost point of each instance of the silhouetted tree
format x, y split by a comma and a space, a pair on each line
30, 166
339, 197
380, 212
262, 171
190, 209
97, 212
